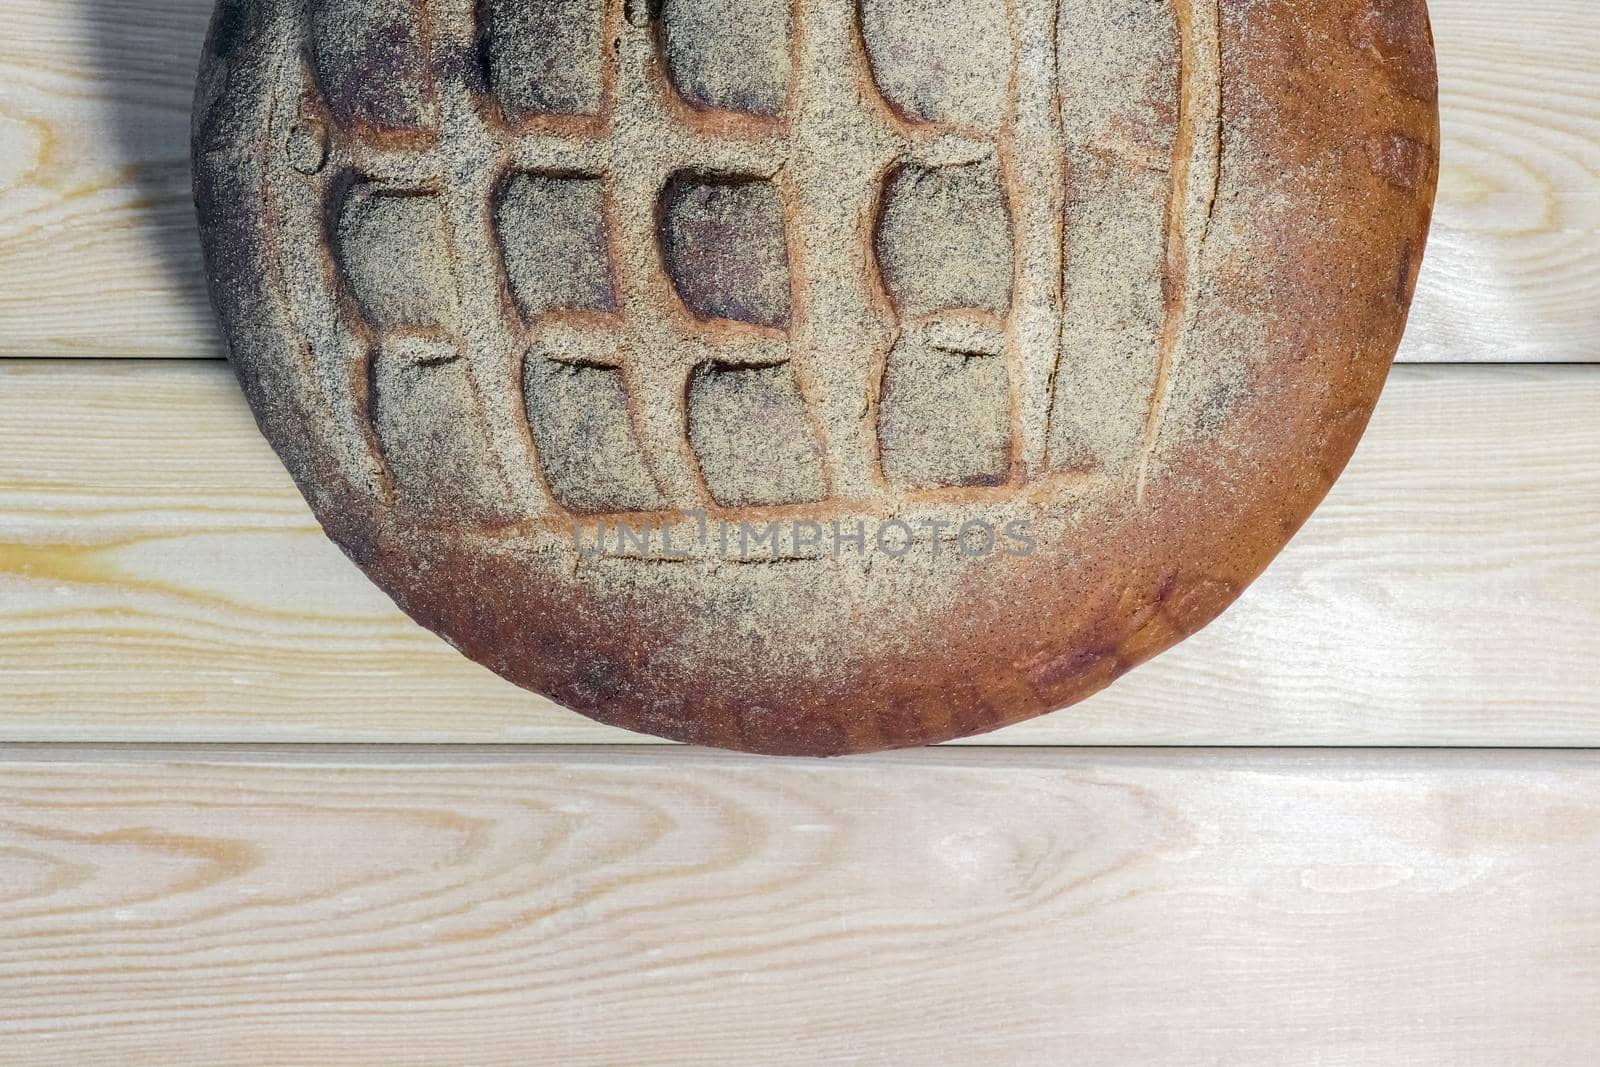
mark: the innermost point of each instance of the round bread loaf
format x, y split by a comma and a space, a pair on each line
814, 376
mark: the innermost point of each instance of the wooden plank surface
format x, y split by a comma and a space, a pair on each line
98, 252
160, 579
675, 908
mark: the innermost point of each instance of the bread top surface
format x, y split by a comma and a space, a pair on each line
814, 376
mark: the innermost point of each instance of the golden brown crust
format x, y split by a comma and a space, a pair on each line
1296, 213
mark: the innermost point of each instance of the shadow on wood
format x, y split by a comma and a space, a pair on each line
137, 48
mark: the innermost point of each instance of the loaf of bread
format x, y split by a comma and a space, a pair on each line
814, 376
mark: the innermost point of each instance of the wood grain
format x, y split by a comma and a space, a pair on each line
160, 579
675, 908
1513, 272
98, 253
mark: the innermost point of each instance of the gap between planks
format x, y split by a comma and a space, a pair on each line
377, 756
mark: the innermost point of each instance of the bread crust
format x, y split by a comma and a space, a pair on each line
1314, 225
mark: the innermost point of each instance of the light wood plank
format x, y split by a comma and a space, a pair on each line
679, 909
160, 579
98, 254
1513, 271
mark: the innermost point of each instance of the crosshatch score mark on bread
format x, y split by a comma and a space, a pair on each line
1128, 274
